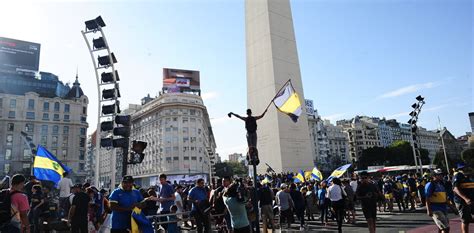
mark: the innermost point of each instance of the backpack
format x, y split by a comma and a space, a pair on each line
6, 206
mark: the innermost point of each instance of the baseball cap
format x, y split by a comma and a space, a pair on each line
127, 179
283, 186
438, 172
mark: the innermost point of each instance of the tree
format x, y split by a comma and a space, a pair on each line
238, 169
440, 162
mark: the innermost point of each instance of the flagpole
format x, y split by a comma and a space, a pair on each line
289, 80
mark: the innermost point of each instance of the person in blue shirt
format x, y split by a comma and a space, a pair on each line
237, 210
463, 187
323, 203
437, 200
166, 199
122, 201
201, 206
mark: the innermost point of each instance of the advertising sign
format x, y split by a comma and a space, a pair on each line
17, 55
309, 107
175, 80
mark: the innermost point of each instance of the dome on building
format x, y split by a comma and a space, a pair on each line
76, 91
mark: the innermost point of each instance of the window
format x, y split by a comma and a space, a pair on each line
175, 119
192, 112
82, 142
6, 168
54, 151
44, 140
185, 120
81, 155
81, 166
11, 114
56, 107
66, 117
12, 103
44, 129
10, 127
67, 107
30, 115
29, 127
193, 139
56, 117
45, 116
55, 141
26, 154
185, 129
176, 158
64, 153
185, 139
26, 166
83, 131
84, 110
8, 154
45, 106
66, 130
193, 158
193, 119
31, 104
186, 157
168, 129
9, 139
83, 119
65, 141
55, 129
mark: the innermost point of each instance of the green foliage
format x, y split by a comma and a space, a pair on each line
231, 169
440, 162
399, 153
467, 156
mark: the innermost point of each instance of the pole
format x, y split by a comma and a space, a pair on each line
124, 162
255, 200
414, 152
444, 148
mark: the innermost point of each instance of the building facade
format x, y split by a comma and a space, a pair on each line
362, 133
235, 157
180, 140
429, 140
338, 145
57, 122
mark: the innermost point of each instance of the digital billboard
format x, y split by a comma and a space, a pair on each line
17, 55
175, 80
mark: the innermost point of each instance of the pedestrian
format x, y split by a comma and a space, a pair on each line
166, 199
29, 185
65, 185
78, 213
122, 201
387, 189
173, 219
323, 203
336, 194
398, 193
266, 197
463, 187
250, 126
36, 199
13, 200
200, 207
311, 202
367, 192
237, 210
437, 201
299, 202
285, 205
350, 205
151, 206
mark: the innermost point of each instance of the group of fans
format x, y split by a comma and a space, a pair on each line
228, 202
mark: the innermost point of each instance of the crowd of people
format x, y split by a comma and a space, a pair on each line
227, 202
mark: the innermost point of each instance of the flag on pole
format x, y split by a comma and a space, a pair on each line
307, 175
316, 174
338, 172
139, 222
288, 101
47, 167
299, 177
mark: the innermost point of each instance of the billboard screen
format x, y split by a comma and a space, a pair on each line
17, 55
175, 80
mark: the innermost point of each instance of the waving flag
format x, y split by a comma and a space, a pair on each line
267, 180
338, 172
307, 175
140, 224
288, 101
48, 167
316, 174
299, 177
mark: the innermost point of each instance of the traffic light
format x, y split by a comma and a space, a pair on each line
94, 24
122, 129
108, 77
105, 60
137, 155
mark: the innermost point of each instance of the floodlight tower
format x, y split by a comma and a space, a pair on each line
108, 104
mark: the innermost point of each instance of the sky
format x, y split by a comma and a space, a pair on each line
364, 57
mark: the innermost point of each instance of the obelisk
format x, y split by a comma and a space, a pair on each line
272, 59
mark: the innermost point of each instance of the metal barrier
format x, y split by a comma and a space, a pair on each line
156, 219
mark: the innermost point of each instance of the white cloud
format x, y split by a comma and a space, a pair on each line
334, 117
210, 95
409, 89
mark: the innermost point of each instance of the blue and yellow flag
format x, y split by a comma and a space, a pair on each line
316, 174
338, 172
299, 177
140, 224
48, 167
267, 180
288, 102
307, 175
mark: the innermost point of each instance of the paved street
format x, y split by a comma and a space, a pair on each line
409, 222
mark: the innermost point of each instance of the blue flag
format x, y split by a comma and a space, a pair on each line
48, 167
338, 172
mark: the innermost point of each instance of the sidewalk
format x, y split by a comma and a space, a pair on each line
454, 224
